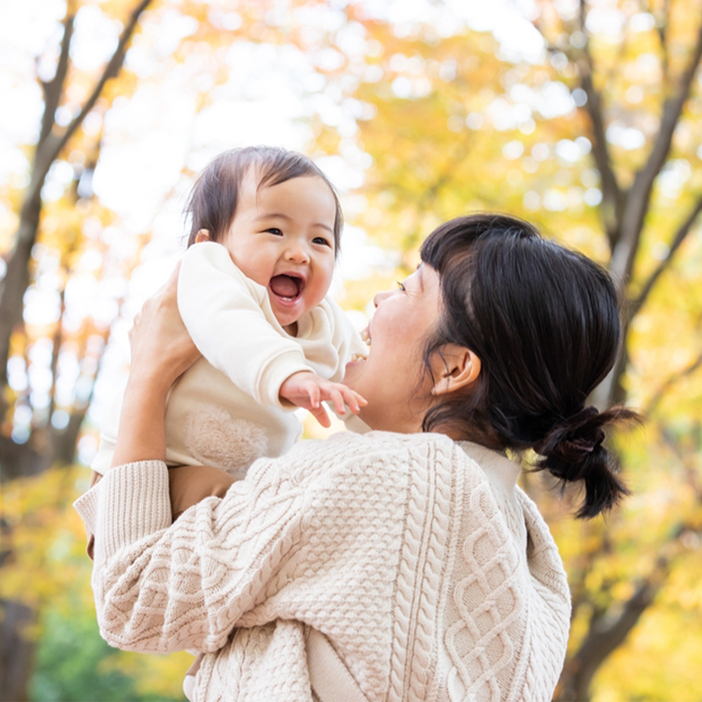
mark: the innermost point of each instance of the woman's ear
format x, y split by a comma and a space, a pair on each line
202, 235
456, 367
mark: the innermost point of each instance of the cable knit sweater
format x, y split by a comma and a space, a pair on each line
431, 573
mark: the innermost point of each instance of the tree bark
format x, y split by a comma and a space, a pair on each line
21, 460
17, 277
638, 198
602, 639
16, 651
607, 632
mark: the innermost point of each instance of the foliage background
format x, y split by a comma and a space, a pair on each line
580, 116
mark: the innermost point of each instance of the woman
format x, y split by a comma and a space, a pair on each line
410, 548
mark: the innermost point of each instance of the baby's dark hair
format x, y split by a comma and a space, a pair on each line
544, 321
213, 199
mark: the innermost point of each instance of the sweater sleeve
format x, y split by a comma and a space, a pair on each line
160, 587
230, 321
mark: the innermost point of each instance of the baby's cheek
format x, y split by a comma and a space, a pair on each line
312, 297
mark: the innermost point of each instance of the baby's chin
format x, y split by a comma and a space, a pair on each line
289, 321
288, 312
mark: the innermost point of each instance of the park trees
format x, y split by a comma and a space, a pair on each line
65, 264
582, 117
49, 431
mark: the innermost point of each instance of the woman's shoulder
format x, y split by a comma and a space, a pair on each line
348, 451
372, 442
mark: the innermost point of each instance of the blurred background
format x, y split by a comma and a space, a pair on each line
583, 117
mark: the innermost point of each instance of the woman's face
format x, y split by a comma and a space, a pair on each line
393, 379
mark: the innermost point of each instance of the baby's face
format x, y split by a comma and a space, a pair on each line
282, 237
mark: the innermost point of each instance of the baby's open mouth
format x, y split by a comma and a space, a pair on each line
286, 287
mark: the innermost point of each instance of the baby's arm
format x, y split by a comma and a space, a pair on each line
223, 313
308, 390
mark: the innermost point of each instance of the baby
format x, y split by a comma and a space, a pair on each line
252, 293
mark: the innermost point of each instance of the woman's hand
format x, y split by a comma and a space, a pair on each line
161, 352
162, 349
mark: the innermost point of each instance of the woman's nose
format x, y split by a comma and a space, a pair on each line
381, 296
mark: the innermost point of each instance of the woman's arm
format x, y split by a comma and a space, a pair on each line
163, 587
187, 485
161, 352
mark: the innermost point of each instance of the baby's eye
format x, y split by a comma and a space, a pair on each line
401, 286
275, 230
323, 241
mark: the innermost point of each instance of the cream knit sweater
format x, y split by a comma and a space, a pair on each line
431, 573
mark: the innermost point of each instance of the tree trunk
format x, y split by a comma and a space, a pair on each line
48, 445
16, 279
602, 639
16, 651
624, 212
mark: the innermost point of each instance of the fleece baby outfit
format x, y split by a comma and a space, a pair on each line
429, 571
225, 411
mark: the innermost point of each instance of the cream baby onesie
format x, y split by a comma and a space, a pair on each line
225, 411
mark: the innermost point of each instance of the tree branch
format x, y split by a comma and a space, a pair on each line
639, 195
605, 634
53, 89
111, 70
662, 27
16, 279
684, 229
672, 380
611, 192
687, 458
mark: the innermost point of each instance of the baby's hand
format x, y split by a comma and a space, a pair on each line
307, 389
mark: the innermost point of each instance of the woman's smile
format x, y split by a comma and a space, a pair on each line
388, 378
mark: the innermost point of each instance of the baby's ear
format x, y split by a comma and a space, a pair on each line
203, 235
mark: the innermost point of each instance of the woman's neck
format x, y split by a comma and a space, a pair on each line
406, 423
400, 420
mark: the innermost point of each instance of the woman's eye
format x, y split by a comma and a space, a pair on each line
322, 241
401, 286
275, 230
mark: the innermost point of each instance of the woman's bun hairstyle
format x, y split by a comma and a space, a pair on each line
573, 451
544, 321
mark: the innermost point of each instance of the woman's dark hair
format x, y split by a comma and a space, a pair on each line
213, 199
544, 322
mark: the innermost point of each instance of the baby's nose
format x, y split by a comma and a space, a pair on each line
298, 253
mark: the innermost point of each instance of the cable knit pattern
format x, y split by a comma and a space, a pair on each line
430, 572
488, 600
